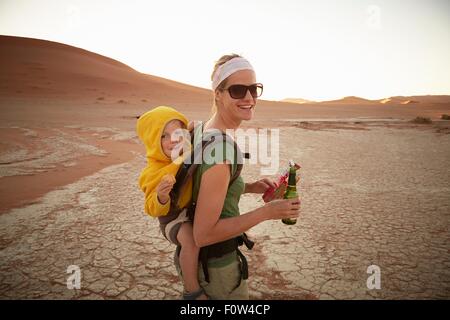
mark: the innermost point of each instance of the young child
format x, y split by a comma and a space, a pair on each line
157, 129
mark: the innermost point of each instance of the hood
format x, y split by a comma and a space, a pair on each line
150, 127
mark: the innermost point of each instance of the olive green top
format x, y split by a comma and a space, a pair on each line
216, 153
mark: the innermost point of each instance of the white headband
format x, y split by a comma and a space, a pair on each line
228, 68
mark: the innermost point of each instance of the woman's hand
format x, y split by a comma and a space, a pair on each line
259, 186
164, 187
282, 209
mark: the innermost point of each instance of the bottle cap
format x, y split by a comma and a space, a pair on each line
291, 163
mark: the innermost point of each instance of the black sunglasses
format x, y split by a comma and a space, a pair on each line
239, 91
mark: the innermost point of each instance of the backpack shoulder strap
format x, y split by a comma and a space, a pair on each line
188, 167
238, 155
239, 163
194, 160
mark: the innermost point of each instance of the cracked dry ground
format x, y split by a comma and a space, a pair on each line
377, 196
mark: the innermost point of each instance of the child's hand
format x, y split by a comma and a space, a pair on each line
164, 187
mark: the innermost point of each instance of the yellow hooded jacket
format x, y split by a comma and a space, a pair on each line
150, 127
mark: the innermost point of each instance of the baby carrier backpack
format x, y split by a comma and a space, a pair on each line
170, 223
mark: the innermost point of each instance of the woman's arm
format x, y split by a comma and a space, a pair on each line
262, 185
259, 186
209, 229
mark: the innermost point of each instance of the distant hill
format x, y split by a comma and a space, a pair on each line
38, 75
416, 99
297, 100
397, 100
40, 68
350, 100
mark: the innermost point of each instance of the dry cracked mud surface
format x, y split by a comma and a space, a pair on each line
369, 197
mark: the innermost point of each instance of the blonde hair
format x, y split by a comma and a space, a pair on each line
221, 85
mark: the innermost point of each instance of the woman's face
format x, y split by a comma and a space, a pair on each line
237, 109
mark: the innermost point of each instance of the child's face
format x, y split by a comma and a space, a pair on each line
166, 138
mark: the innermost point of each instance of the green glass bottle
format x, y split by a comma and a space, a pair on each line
291, 192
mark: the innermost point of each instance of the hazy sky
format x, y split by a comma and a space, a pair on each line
308, 49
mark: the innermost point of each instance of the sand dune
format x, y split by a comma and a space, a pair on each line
444, 99
47, 69
398, 100
51, 75
351, 100
374, 186
403, 100
297, 100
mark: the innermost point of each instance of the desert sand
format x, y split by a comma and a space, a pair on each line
374, 187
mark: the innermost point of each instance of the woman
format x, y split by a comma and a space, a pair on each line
217, 217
